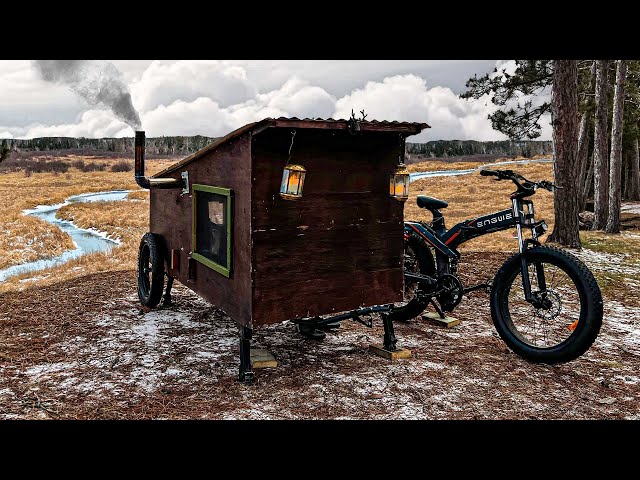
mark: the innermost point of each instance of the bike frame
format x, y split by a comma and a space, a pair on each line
445, 242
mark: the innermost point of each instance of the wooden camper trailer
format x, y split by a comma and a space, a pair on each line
224, 231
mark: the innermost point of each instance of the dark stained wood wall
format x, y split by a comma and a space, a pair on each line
340, 246
227, 166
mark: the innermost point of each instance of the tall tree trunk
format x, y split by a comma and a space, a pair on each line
564, 111
583, 156
615, 161
634, 193
626, 174
583, 142
601, 147
588, 183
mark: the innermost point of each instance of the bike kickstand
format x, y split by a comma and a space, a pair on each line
438, 309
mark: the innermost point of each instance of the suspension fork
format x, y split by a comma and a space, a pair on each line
542, 284
518, 215
522, 219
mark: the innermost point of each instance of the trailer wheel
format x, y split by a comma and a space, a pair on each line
150, 270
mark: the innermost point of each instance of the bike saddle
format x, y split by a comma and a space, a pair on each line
430, 203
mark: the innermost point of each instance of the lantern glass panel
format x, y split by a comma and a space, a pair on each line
399, 184
292, 182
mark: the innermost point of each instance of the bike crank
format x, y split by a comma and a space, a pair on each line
451, 291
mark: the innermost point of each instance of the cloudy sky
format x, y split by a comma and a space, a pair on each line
213, 97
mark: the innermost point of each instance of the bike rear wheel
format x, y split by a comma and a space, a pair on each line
566, 315
417, 259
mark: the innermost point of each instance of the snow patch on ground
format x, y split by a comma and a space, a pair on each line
630, 207
133, 349
622, 263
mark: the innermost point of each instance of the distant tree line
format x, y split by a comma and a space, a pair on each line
188, 145
178, 145
456, 148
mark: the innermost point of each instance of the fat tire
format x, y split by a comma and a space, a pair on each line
151, 294
591, 308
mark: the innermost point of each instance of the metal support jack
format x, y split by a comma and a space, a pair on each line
246, 371
167, 293
311, 323
389, 335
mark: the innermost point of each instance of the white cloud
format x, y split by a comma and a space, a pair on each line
407, 98
25, 98
92, 123
340, 77
163, 84
199, 117
214, 97
205, 116
299, 99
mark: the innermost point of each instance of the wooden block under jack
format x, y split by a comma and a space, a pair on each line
262, 358
445, 322
388, 354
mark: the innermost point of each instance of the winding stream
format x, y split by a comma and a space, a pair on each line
451, 173
85, 241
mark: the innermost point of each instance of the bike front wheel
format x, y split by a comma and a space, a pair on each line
563, 318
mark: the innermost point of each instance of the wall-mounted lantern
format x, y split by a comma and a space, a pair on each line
292, 177
292, 182
399, 183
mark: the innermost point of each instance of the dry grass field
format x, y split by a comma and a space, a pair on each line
24, 238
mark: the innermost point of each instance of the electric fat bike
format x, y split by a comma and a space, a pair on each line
545, 303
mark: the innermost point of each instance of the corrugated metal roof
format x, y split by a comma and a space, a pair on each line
409, 128
422, 125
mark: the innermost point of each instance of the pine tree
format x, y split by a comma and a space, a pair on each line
634, 183
4, 150
564, 112
601, 147
631, 132
615, 160
521, 120
584, 163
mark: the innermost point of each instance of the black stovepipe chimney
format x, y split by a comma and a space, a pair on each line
146, 182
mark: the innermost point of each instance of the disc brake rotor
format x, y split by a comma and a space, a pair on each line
554, 310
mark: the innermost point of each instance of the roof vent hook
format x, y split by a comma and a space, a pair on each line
353, 126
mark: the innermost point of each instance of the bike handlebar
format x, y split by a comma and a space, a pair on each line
516, 178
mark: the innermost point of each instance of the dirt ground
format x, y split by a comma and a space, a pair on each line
84, 349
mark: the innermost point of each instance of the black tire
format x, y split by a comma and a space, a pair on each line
574, 296
150, 270
418, 254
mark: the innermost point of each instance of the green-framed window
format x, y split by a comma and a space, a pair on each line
212, 227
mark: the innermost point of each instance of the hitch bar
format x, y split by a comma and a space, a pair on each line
353, 314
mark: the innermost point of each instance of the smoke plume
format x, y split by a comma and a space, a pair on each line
97, 81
